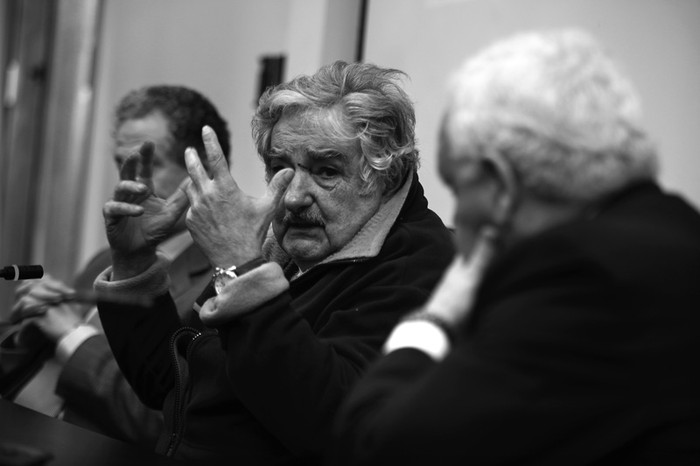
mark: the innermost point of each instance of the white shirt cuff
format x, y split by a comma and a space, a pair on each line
422, 335
72, 340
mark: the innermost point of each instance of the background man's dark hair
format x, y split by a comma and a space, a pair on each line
186, 110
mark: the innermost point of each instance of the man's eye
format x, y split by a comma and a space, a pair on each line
274, 167
327, 172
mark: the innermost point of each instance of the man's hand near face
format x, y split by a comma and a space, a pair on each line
228, 225
452, 300
431, 327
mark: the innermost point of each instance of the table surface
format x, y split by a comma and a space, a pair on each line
68, 444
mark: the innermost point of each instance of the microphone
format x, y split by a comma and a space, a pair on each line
21, 272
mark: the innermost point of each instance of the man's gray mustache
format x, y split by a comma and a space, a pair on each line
302, 219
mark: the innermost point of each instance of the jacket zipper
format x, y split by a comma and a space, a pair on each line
178, 424
353, 260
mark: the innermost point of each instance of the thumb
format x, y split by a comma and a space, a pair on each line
178, 202
483, 251
278, 185
185, 187
454, 296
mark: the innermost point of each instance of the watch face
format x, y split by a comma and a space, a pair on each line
221, 278
219, 283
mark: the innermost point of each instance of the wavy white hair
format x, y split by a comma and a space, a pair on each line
558, 109
371, 103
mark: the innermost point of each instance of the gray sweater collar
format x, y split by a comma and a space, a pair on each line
365, 244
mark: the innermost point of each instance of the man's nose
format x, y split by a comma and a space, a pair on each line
298, 193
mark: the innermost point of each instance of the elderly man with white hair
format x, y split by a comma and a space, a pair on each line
566, 330
310, 278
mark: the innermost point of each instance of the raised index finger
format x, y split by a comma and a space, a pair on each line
146, 151
128, 168
215, 156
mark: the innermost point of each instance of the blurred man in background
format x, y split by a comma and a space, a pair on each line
566, 331
82, 383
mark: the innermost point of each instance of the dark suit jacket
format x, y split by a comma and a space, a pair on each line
96, 394
582, 350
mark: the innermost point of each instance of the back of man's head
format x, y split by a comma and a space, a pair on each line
186, 110
372, 102
556, 108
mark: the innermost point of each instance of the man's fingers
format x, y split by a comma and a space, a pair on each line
25, 287
278, 185
128, 168
48, 295
452, 299
47, 287
145, 174
185, 186
178, 202
53, 285
198, 174
483, 249
121, 209
215, 156
127, 191
21, 315
26, 307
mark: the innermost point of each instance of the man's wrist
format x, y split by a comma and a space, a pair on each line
226, 260
131, 265
434, 319
244, 295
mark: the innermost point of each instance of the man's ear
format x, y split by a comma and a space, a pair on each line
504, 176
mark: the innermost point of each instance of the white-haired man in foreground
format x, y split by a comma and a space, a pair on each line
566, 331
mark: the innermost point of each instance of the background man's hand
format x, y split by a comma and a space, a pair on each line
136, 220
38, 303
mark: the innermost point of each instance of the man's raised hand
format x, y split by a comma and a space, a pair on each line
228, 225
136, 220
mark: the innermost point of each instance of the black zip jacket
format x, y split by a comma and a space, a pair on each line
264, 387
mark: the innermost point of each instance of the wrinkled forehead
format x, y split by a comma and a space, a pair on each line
315, 130
133, 132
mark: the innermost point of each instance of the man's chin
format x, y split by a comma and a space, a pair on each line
305, 250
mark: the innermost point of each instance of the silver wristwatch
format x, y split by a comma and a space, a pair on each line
222, 276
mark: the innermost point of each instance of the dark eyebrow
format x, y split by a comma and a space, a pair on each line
327, 154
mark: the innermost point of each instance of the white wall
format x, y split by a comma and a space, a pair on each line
210, 45
320, 32
657, 41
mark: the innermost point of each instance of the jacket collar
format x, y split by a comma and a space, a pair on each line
365, 244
